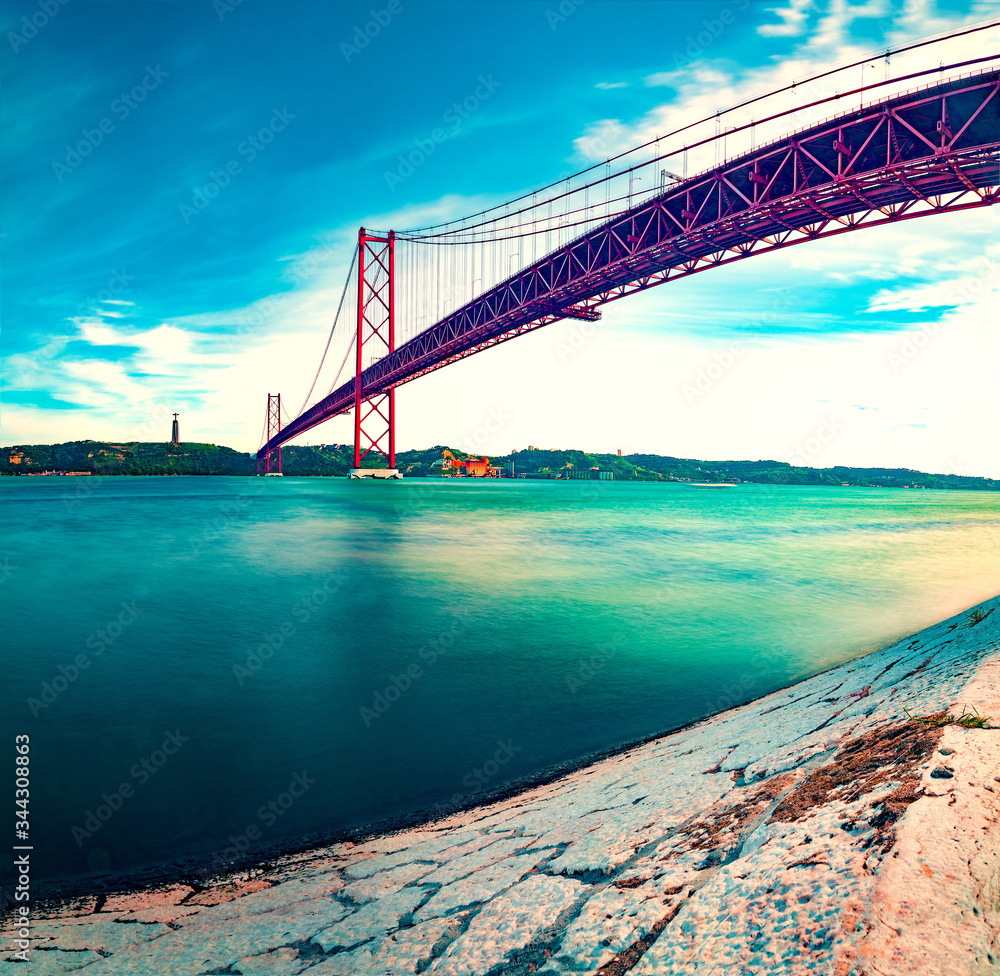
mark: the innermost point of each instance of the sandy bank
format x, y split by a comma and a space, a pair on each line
817, 830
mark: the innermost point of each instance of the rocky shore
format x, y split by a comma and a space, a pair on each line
847, 825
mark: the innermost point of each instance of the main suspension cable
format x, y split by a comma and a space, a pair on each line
329, 338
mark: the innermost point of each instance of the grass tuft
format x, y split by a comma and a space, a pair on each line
968, 720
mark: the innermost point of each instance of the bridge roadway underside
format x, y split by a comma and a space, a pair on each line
930, 151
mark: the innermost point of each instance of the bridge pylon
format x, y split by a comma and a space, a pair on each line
375, 415
271, 462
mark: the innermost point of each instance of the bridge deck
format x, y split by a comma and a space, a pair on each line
930, 151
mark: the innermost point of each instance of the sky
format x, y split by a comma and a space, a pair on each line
182, 183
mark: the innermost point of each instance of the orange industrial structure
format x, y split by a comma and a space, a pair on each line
471, 468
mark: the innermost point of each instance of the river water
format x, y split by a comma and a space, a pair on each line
217, 664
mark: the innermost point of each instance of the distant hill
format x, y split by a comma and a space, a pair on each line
125, 457
335, 460
654, 467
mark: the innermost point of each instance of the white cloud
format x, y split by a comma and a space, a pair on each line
608, 85
793, 19
708, 83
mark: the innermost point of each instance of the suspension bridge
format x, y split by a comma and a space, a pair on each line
910, 145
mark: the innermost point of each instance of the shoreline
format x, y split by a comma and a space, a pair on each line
55, 891
99, 476
576, 872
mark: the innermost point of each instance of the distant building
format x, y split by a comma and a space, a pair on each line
175, 433
478, 468
619, 452
471, 467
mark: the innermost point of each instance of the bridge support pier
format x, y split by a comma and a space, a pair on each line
375, 415
271, 462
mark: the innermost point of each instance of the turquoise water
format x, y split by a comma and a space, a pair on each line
211, 664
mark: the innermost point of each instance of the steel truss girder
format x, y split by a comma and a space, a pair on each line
886, 162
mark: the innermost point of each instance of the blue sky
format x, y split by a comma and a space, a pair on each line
128, 296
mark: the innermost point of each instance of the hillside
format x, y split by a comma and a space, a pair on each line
123, 457
335, 460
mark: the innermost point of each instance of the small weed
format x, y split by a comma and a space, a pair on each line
968, 720
972, 720
976, 617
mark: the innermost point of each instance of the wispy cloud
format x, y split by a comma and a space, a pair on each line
792, 19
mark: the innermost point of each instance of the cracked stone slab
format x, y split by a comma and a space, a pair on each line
283, 961
406, 952
508, 923
371, 920
607, 925
481, 885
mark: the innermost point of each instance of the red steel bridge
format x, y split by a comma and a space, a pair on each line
418, 300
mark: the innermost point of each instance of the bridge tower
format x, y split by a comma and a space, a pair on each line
375, 416
272, 460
